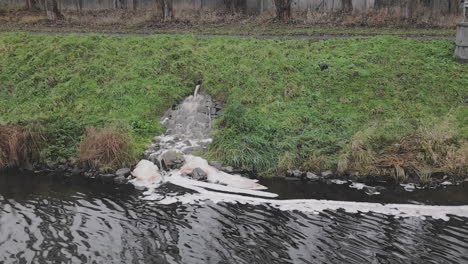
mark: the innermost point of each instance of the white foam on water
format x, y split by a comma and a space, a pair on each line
227, 194
201, 187
217, 176
316, 206
339, 182
146, 174
409, 187
357, 185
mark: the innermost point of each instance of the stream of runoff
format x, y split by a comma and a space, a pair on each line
179, 208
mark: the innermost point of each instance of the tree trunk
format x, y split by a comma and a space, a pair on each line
283, 9
31, 4
134, 5
166, 9
120, 4
411, 7
79, 5
454, 7
347, 6
235, 6
52, 10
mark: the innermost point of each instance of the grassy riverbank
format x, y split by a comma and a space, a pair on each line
384, 105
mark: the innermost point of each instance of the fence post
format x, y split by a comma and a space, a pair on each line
461, 48
465, 11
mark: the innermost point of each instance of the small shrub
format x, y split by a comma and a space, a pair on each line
455, 162
106, 148
400, 174
17, 145
314, 163
443, 149
359, 158
425, 173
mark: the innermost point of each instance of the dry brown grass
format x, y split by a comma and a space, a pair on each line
406, 153
106, 148
359, 160
442, 150
17, 145
149, 17
395, 16
153, 17
456, 161
287, 161
434, 149
123, 19
31, 19
314, 163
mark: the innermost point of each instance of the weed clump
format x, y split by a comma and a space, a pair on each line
18, 145
106, 148
436, 147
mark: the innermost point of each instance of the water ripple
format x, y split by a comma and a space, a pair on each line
107, 225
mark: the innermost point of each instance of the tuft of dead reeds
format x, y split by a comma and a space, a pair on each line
18, 144
106, 148
433, 149
391, 16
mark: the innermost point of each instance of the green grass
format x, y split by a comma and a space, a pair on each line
281, 112
69, 83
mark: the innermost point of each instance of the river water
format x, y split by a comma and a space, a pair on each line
52, 219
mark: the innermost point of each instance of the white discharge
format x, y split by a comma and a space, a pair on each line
316, 206
189, 127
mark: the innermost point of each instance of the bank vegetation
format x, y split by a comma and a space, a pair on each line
386, 106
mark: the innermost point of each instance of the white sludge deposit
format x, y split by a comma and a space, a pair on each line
316, 206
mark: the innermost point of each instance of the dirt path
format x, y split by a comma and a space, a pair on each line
279, 36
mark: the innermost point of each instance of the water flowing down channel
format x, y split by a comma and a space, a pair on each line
183, 209
188, 130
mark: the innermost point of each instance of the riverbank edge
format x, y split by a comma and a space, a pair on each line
71, 169
91, 164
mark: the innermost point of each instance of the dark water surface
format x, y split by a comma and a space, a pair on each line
46, 219
442, 195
